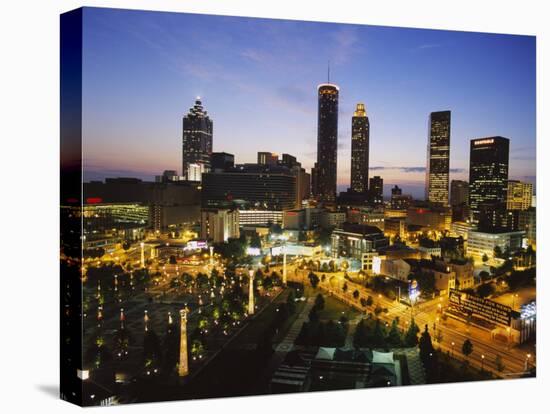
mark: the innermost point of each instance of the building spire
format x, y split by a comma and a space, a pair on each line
328, 72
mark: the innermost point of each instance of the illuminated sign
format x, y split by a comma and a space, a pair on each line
414, 292
94, 200
196, 245
253, 251
484, 141
484, 308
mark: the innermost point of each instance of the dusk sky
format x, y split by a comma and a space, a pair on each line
258, 81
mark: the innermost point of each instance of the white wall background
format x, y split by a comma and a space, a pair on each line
29, 142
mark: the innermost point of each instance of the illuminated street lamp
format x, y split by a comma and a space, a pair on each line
452, 348
482, 361
251, 293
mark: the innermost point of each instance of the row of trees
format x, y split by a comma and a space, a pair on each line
373, 333
317, 333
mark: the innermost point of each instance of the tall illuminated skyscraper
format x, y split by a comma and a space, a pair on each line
360, 128
327, 142
489, 159
197, 140
437, 171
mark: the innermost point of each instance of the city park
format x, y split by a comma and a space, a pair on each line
159, 319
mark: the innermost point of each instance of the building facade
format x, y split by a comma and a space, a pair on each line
327, 142
519, 196
482, 243
439, 144
360, 131
353, 240
255, 187
197, 139
219, 225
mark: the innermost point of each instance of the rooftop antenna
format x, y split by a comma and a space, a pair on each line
328, 72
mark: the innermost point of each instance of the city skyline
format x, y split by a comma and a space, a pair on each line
391, 71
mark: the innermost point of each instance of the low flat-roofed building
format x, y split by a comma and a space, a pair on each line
355, 239
481, 243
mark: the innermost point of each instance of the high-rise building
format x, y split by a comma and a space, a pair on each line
520, 195
267, 158
327, 141
376, 189
459, 192
437, 171
459, 200
221, 161
360, 129
197, 139
488, 172
400, 201
314, 175
396, 191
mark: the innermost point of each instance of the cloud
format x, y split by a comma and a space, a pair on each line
425, 46
412, 169
255, 55
344, 45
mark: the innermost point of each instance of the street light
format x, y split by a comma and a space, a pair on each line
452, 348
482, 360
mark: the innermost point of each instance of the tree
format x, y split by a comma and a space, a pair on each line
345, 287
484, 275
370, 300
394, 336
425, 346
497, 252
485, 258
313, 279
411, 336
485, 290
467, 348
255, 241
172, 260
355, 294
379, 334
319, 303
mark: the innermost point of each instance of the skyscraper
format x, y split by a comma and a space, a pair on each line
437, 171
197, 140
360, 129
488, 172
459, 200
376, 190
327, 141
459, 192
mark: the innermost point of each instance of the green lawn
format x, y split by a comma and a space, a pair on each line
333, 307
